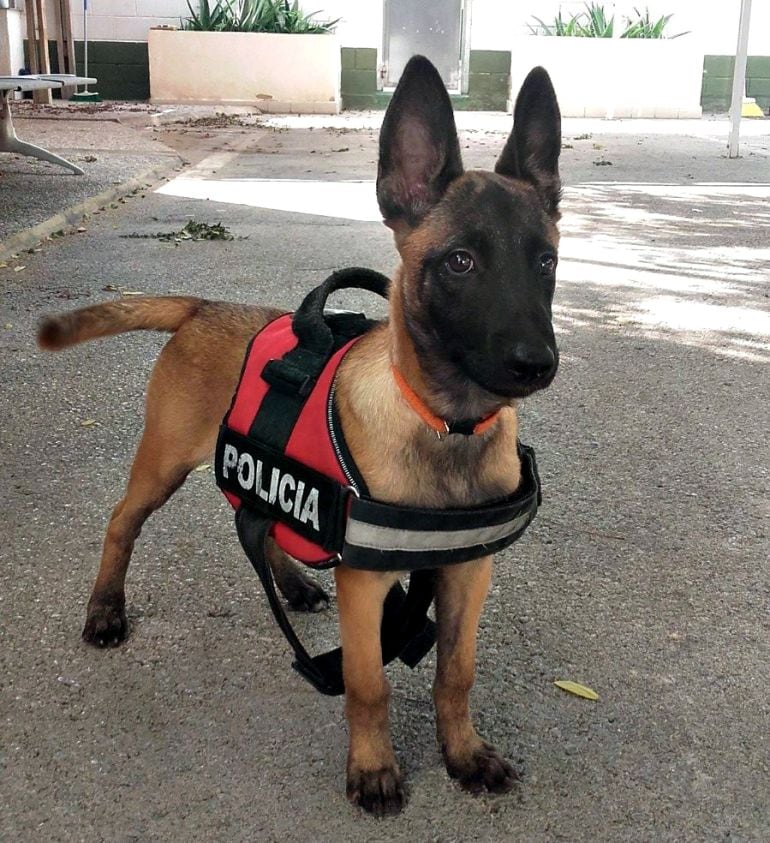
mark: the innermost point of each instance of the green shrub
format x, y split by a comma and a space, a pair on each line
279, 16
594, 23
645, 27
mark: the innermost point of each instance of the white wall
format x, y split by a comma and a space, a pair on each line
715, 24
121, 20
126, 20
360, 20
11, 42
130, 20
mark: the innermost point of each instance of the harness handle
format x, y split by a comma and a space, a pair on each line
308, 321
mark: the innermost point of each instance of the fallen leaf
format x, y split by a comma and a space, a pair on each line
19, 268
88, 422
131, 293
576, 689
3, 264
205, 467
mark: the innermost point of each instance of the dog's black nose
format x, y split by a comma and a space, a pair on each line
528, 362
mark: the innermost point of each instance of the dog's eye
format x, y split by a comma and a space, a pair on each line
460, 262
547, 263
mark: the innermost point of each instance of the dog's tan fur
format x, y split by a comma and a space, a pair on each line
400, 458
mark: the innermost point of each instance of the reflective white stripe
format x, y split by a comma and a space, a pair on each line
374, 537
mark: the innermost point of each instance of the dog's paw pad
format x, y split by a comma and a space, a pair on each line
106, 626
379, 792
484, 770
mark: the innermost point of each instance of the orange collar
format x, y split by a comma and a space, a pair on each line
441, 427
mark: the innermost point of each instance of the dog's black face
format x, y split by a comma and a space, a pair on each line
487, 290
479, 248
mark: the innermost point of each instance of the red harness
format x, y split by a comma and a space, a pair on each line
312, 441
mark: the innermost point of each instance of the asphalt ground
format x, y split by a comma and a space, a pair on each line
645, 576
109, 152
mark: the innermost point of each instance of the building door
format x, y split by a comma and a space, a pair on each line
433, 28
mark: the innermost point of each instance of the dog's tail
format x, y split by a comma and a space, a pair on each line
148, 313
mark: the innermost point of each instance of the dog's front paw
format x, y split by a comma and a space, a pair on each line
106, 624
483, 769
380, 792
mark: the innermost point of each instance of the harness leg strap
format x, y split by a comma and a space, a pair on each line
407, 633
253, 530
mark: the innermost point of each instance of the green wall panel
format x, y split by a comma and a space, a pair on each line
718, 81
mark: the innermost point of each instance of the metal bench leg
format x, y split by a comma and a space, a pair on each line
10, 143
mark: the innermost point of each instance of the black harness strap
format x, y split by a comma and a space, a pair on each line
293, 376
382, 536
253, 530
406, 633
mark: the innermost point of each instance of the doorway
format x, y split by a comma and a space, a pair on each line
434, 28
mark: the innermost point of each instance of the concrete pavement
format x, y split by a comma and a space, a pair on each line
645, 576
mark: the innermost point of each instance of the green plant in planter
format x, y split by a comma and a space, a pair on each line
277, 16
594, 23
645, 27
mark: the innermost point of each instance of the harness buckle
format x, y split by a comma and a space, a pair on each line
351, 490
290, 379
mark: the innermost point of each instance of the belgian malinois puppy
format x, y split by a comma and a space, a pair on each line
469, 330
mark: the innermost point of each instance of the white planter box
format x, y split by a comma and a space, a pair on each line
616, 77
276, 73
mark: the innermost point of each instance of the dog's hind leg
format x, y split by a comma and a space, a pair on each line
302, 593
182, 416
460, 594
155, 475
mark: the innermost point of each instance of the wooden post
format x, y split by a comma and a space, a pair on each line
29, 14
59, 33
37, 46
65, 44
42, 34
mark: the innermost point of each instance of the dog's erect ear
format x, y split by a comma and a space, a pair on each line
532, 150
419, 150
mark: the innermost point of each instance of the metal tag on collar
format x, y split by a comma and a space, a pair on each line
465, 427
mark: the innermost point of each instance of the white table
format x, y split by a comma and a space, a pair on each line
8, 140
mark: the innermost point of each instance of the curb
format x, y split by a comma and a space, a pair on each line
30, 237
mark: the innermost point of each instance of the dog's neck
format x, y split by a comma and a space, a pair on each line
444, 390
399, 455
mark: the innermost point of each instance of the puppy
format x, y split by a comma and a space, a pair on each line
469, 331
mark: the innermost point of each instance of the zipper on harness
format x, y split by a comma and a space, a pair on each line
335, 443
